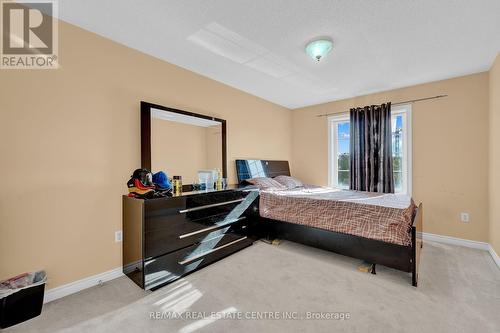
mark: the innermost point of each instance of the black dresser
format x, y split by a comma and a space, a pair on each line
167, 238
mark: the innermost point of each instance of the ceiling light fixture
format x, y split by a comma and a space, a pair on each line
319, 48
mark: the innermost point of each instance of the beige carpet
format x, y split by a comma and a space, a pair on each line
459, 291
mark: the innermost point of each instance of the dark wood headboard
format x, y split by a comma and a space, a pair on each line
246, 169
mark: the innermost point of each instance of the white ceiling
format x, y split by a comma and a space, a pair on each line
258, 45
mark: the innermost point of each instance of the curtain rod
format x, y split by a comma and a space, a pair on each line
398, 103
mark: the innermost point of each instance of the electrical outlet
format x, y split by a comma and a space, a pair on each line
464, 217
118, 236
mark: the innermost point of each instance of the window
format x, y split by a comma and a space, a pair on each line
339, 151
339, 158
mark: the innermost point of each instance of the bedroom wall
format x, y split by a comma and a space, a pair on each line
450, 150
495, 155
70, 140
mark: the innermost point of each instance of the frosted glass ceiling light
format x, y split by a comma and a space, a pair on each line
319, 48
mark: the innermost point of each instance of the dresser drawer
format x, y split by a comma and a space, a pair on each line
171, 205
167, 268
162, 241
175, 212
213, 198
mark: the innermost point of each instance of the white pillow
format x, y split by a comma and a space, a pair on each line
288, 182
265, 183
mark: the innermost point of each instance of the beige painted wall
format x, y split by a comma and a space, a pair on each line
495, 155
69, 141
450, 150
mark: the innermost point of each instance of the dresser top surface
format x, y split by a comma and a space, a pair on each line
234, 187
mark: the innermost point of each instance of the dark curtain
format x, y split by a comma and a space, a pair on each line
371, 149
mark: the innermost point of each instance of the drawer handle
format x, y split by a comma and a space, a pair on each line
217, 226
210, 206
187, 261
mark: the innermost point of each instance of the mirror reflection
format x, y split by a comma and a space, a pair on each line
183, 145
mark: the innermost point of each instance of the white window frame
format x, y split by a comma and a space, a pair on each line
333, 122
403, 110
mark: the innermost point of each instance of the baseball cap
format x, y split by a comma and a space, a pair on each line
138, 184
138, 193
144, 176
161, 181
137, 190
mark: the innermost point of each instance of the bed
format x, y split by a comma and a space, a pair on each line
381, 229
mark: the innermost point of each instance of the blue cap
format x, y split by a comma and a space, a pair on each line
161, 180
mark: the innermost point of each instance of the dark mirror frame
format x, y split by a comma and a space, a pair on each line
146, 133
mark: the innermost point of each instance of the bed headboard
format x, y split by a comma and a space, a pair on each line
246, 169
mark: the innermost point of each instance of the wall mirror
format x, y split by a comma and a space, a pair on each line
181, 143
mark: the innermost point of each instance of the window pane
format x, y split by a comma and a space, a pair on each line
343, 180
397, 142
398, 181
397, 152
343, 138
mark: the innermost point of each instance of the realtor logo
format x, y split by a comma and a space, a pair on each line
29, 34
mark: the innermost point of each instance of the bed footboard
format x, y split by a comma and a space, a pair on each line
416, 243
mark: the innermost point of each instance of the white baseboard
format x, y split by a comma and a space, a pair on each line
463, 242
456, 241
495, 256
82, 284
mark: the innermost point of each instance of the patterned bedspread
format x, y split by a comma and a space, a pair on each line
384, 217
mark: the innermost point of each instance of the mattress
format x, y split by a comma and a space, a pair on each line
383, 217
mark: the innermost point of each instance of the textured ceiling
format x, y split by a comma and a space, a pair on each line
258, 45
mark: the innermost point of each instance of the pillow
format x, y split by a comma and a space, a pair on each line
265, 183
288, 182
